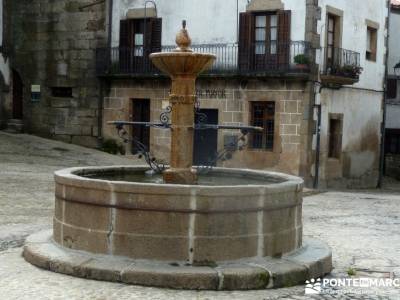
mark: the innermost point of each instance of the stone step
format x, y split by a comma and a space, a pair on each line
16, 121
15, 126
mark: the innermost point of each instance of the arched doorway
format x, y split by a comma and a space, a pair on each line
18, 96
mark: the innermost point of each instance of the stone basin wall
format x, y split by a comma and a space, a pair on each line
194, 224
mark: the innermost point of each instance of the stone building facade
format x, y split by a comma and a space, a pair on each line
321, 121
56, 91
289, 66
5, 79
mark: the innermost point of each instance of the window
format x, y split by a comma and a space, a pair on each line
335, 137
391, 89
263, 115
64, 92
266, 34
139, 42
371, 43
261, 27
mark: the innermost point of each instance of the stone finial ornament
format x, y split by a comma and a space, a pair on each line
183, 39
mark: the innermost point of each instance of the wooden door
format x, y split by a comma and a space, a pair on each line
331, 41
18, 96
140, 113
206, 141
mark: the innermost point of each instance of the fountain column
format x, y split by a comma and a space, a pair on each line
183, 66
182, 99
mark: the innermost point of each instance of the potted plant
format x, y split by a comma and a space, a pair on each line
350, 71
302, 61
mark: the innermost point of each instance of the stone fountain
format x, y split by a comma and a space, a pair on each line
228, 229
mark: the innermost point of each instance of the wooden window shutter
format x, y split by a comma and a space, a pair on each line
124, 33
284, 21
125, 43
246, 39
156, 35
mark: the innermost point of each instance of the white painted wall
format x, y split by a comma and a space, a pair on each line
394, 41
355, 35
209, 21
361, 112
360, 104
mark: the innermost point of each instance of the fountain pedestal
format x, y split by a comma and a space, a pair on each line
182, 101
183, 66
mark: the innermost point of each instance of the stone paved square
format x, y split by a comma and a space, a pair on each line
360, 226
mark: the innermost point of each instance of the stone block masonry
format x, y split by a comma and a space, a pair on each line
54, 47
234, 104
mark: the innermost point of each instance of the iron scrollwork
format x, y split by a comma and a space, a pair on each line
143, 151
165, 115
201, 124
201, 118
226, 153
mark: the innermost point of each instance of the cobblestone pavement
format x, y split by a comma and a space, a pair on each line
362, 227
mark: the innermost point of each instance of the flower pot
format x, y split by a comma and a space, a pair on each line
302, 67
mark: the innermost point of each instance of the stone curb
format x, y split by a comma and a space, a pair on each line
311, 261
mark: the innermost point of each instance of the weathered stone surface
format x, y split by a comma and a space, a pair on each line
306, 256
283, 273
255, 273
243, 277
54, 45
163, 275
179, 222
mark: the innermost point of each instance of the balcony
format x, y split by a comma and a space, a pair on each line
256, 60
343, 68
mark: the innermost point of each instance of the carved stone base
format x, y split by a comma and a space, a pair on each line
180, 176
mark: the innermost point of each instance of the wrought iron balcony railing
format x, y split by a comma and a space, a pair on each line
231, 60
341, 63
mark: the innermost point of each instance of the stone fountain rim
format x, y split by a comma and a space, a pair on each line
69, 177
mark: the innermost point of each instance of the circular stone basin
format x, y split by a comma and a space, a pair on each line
231, 214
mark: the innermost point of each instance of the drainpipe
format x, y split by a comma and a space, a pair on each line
318, 146
102, 83
145, 18
110, 18
318, 106
383, 126
237, 21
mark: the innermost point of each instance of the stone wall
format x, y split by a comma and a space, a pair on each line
291, 122
54, 45
392, 167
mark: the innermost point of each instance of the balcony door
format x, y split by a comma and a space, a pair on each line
138, 39
333, 54
330, 47
264, 41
